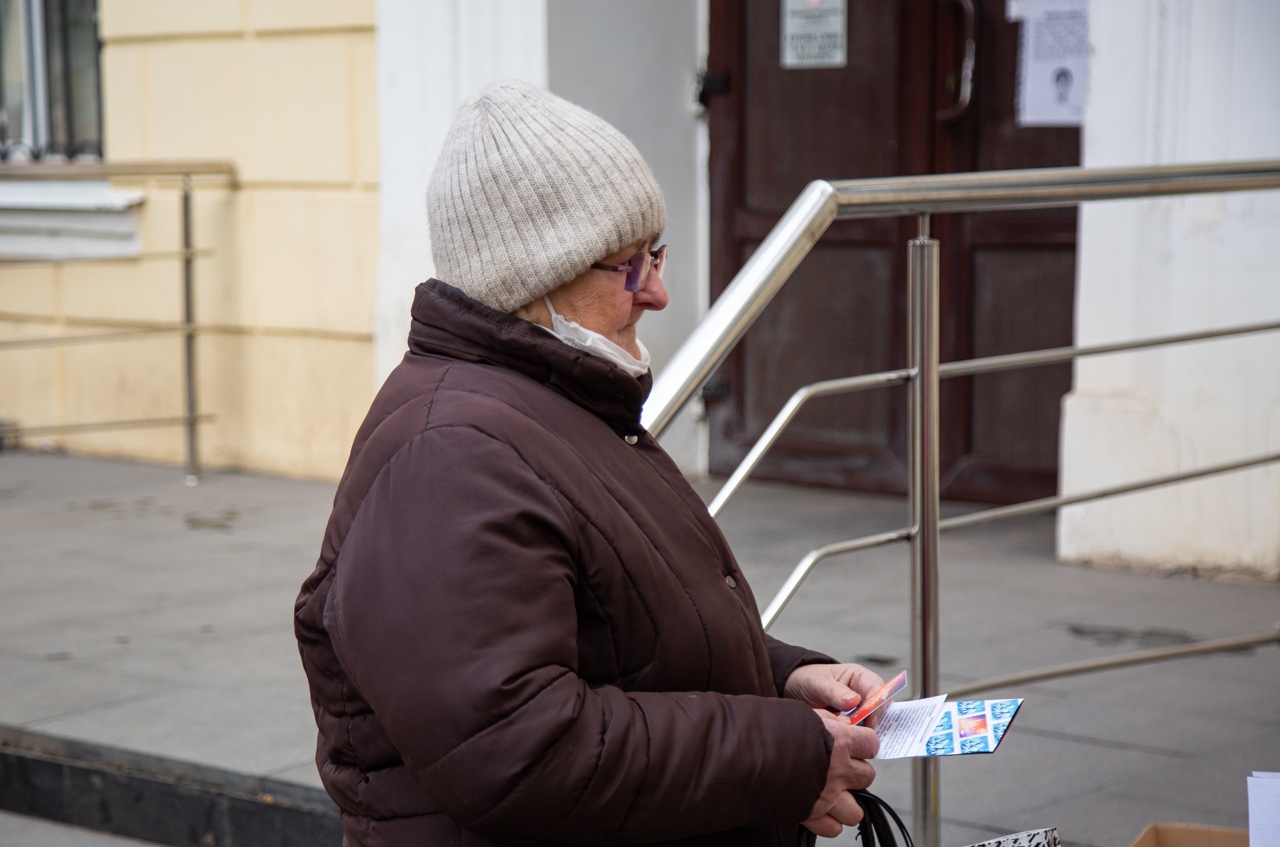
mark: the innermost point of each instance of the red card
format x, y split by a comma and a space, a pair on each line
878, 698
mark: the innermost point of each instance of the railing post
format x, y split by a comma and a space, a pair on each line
922, 308
189, 334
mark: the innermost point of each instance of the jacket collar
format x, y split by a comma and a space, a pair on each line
447, 322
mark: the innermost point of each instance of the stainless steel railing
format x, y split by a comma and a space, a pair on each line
825, 201
950, 369
768, 269
186, 171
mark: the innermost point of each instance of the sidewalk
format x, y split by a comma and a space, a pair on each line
142, 615
35, 832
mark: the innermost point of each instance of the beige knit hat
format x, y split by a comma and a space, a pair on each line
529, 190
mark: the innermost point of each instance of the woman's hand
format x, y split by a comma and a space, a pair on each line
839, 687
848, 769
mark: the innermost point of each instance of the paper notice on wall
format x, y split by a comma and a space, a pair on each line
1053, 61
815, 34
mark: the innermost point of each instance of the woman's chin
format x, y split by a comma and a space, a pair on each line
626, 339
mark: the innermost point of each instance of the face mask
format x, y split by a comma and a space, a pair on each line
589, 341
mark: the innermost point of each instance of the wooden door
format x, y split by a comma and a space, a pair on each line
1007, 279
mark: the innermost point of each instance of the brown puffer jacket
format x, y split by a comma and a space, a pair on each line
524, 626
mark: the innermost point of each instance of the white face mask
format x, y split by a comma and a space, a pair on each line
589, 341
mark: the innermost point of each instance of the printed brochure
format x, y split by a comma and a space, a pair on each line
934, 727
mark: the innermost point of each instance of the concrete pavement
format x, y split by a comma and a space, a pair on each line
142, 615
37, 832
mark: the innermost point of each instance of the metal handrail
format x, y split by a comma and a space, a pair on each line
787, 414
118, 170
785, 247
1044, 188
1015, 510
88, 337
186, 172
823, 201
100, 426
1143, 657
967, 367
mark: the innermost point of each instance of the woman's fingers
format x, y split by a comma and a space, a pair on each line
839, 687
848, 768
862, 775
846, 809
864, 745
860, 679
854, 742
824, 826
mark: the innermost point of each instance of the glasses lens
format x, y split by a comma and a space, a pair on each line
641, 264
637, 270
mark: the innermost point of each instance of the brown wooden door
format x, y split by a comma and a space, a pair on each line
1007, 280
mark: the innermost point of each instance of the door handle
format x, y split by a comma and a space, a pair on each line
965, 93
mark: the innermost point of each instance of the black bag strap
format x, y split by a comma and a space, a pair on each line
874, 825
873, 828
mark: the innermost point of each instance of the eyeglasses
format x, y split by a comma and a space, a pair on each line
638, 266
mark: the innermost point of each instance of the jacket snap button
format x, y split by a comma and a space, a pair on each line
730, 581
631, 439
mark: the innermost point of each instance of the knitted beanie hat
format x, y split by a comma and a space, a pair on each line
529, 190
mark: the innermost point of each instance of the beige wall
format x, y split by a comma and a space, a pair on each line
286, 90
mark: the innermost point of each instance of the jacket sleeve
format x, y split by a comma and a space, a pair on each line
453, 611
785, 658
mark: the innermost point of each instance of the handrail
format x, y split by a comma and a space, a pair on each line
101, 426
789, 411
1161, 654
1016, 510
67, 170
1044, 188
186, 171
824, 201
785, 247
967, 367
88, 338
741, 303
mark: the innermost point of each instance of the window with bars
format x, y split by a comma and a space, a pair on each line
50, 91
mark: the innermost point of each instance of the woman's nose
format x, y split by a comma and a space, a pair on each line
653, 294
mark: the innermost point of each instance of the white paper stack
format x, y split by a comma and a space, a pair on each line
1264, 809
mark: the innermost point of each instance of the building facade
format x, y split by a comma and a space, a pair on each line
332, 112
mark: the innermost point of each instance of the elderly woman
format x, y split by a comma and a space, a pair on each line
524, 626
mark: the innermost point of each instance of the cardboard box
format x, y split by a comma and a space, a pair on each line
1191, 835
